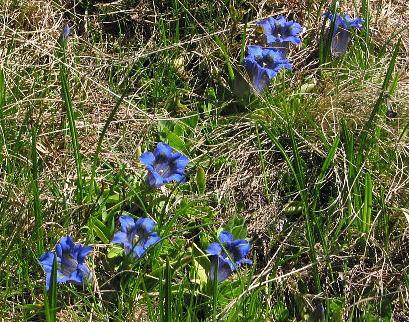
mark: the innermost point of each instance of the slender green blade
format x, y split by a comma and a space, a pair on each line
168, 292
367, 209
226, 57
100, 140
215, 290
51, 297
65, 91
263, 166
38, 218
363, 142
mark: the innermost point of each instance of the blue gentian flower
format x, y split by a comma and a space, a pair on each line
164, 165
238, 249
71, 265
263, 64
65, 31
279, 31
341, 35
136, 237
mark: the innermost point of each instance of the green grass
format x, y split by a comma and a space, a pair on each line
313, 172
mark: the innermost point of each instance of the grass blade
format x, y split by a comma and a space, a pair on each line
299, 178
100, 139
215, 290
2, 121
65, 91
363, 142
367, 17
243, 41
405, 130
226, 57
2, 104
38, 218
385, 219
325, 44
367, 209
168, 292
317, 219
263, 165
51, 297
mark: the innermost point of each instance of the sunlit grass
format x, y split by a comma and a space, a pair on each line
312, 171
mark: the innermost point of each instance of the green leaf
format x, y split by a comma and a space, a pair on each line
200, 257
179, 129
115, 252
201, 180
192, 121
198, 275
175, 141
101, 230
239, 232
113, 199
165, 125
237, 227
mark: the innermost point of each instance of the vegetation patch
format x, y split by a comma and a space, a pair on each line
197, 161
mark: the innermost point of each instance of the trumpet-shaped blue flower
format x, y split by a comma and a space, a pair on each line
341, 36
280, 30
164, 165
71, 265
137, 236
65, 31
262, 64
237, 249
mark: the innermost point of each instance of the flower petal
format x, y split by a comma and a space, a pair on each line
272, 55
294, 29
61, 278
83, 252
239, 249
120, 238
48, 280
271, 73
328, 15
340, 42
266, 26
46, 260
174, 177
154, 180
127, 224
180, 161
254, 51
138, 251
144, 226
214, 249
151, 240
225, 237
86, 274
65, 244
147, 158
77, 277
224, 270
293, 39
164, 150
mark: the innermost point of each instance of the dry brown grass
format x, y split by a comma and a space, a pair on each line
33, 28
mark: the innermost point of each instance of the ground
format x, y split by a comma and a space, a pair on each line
313, 172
